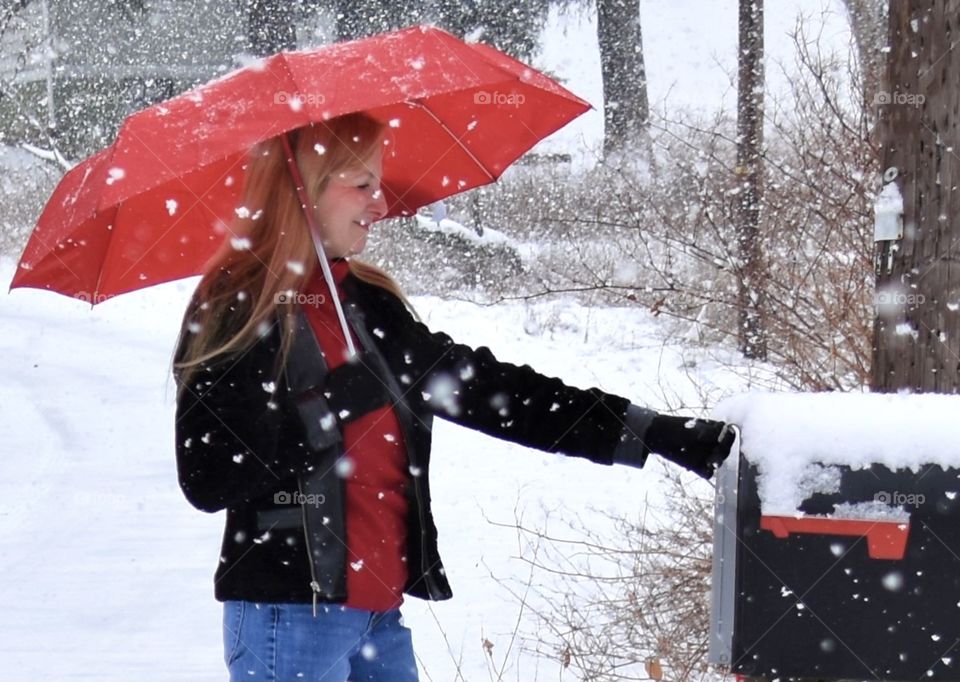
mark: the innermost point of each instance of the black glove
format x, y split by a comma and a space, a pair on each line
699, 445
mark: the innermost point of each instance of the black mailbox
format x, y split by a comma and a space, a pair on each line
860, 581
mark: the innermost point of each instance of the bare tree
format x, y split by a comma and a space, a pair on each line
667, 241
15, 31
628, 607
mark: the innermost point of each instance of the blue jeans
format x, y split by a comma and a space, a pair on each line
285, 643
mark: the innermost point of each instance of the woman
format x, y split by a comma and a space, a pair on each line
309, 421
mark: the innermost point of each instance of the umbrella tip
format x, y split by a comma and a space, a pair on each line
13, 283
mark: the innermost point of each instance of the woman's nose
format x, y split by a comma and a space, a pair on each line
378, 204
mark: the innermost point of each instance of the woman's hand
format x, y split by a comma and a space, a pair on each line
699, 445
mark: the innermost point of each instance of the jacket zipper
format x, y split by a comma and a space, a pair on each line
428, 577
314, 584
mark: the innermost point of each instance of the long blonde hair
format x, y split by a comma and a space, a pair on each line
270, 249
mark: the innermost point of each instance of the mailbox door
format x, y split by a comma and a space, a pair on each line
815, 603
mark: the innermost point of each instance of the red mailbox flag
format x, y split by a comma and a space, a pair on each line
156, 204
885, 539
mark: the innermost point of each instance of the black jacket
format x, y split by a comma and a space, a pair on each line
243, 444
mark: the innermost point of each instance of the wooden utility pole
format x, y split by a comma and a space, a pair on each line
917, 327
750, 279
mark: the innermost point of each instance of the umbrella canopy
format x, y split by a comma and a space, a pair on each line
156, 205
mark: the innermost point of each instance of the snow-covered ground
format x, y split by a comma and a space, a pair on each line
107, 568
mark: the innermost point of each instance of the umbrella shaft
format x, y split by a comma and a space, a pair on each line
318, 244
332, 285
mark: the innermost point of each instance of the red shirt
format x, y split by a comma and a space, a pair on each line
375, 469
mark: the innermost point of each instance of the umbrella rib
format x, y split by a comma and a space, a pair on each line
116, 214
456, 139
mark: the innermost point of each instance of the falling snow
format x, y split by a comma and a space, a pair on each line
112, 581
115, 174
893, 581
345, 467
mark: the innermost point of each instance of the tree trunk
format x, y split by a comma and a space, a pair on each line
626, 110
511, 26
750, 281
362, 18
270, 27
917, 326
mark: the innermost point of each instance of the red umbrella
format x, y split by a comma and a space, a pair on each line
155, 205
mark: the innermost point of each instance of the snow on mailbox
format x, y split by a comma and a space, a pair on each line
837, 539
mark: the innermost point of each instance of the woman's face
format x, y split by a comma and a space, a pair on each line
350, 202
